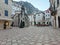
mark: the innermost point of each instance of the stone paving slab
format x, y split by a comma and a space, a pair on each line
30, 36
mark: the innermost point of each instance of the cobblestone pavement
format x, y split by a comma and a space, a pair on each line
30, 36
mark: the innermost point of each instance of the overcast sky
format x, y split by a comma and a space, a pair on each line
40, 4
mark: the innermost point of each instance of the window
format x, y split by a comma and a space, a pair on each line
21, 13
6, 13
57, 3
0, 14
47, 22
23, 18
6, 1
46, 15
54, 6
38, 15
43, 22
39, 23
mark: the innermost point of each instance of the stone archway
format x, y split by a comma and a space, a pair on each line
6, 24
22, 24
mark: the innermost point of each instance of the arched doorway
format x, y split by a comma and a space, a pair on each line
6, 24
22, 24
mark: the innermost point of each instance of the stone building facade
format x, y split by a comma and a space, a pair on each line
20, 16
55, 11
5, 14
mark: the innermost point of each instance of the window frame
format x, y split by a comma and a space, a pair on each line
57, 3
6, 12
6, 2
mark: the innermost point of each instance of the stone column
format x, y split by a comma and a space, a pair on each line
57, 21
